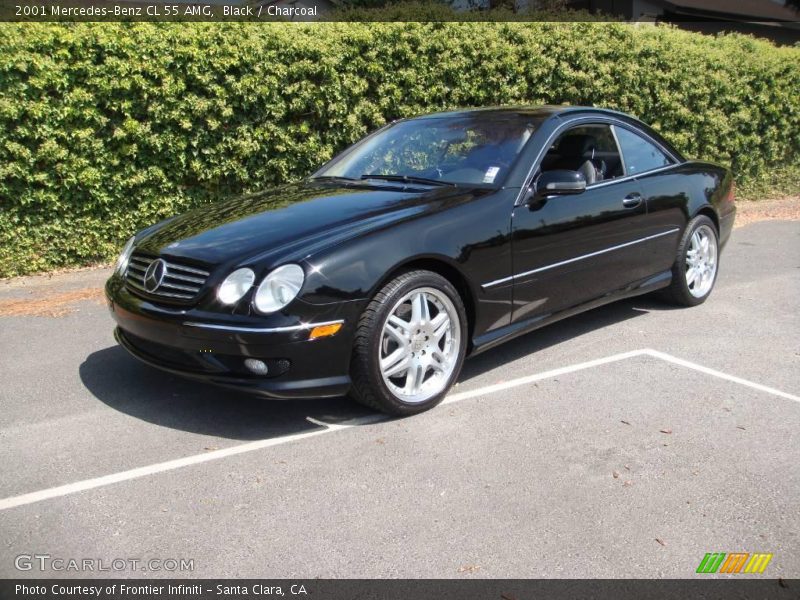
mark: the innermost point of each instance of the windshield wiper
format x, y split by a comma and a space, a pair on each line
333, 178
409, 179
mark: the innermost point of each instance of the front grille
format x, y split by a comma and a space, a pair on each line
180, 282
168, 356
198, 361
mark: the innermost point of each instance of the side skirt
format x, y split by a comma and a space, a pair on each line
493, 338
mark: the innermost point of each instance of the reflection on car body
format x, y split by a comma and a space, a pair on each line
431, 239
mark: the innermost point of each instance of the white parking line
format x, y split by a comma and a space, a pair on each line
499, 387
170, 465
195, 459
720, 374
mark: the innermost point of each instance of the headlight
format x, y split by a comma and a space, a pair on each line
124, 257
235, 285
279, 288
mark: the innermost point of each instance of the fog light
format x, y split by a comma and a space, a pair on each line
258, 367
324, 331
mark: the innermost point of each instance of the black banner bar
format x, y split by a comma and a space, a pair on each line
784, 14
732, 588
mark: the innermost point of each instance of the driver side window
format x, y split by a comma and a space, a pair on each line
589, 149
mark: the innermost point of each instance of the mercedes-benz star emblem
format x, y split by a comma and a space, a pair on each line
154, 275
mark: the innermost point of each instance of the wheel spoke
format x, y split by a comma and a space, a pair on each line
704, 246
404, 326
426, 309
387, 362
438, 361
419, 309
414, 379
692, 257
396, 334
440, 318
441, 325
691, 275
397, 365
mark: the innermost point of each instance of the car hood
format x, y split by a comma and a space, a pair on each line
289, 222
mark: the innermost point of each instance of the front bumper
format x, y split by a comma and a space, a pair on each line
213, 347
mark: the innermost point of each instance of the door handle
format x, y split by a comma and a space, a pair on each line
632, 200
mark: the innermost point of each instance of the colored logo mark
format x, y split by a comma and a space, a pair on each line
734, 562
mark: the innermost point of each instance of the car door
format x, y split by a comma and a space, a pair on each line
664, 191
568, 250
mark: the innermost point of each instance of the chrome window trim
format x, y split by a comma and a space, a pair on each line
496, 282
629, 177
239, 329
613, 127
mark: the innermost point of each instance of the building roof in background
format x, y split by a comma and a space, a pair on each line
755, 10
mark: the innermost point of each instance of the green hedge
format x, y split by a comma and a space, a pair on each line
105, 128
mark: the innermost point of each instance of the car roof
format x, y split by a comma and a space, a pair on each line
548, 111
541, 112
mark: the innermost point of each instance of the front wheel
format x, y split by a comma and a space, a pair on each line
695, 270
410, 344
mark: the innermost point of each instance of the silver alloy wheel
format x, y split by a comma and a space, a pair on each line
701, 261
419, 347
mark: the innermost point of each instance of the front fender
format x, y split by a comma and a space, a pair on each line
469, 238
356, 271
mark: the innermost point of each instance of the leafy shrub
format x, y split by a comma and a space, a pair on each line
105, 128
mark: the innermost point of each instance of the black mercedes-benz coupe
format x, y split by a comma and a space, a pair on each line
431, 239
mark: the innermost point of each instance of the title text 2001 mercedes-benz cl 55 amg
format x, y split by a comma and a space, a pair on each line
430, 239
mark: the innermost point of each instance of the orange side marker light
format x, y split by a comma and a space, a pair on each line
322, 331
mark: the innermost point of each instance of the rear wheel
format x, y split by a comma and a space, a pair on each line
410, 344
695, 270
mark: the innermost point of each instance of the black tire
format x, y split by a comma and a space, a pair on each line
678, 291
368, 386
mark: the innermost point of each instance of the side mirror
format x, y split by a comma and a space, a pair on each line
559, 183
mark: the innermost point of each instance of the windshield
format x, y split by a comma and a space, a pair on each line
476, 149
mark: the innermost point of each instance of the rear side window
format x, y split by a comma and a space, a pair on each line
638, 154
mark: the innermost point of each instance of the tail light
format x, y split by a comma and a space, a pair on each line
730, 197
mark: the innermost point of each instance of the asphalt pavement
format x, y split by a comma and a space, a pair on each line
625, 442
